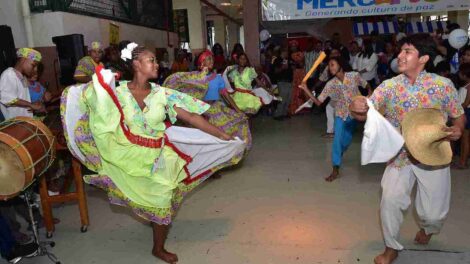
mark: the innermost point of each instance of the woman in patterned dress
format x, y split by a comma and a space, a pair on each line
242, 77
140, 161
87, 65
210, 87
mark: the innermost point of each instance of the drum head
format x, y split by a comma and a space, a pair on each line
12, 177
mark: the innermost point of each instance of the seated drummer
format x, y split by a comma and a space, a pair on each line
15, 99
86, 66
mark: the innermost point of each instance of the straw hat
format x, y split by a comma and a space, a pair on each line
424, 137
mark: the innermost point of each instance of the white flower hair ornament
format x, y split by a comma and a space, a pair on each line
126, 54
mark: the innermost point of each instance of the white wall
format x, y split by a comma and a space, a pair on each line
90, 27
11, 15
48, 25
460, 17
233, 34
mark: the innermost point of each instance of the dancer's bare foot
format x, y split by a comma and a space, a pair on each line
421, 237
166, 256
387, 257
334, 174
328, 135
160, 233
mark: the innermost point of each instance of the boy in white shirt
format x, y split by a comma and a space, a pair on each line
14, 92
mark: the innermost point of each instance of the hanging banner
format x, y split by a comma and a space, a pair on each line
276, 10
113, 34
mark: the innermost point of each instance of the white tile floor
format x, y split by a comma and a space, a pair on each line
275, 208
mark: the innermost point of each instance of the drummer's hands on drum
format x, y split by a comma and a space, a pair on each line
38, 107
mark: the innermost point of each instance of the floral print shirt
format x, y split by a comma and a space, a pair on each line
397, 96
342, 93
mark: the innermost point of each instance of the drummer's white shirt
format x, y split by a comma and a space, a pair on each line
13, 86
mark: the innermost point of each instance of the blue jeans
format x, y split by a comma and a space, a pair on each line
344, 130
7, 242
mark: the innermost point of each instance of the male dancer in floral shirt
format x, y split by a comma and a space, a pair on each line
414, 88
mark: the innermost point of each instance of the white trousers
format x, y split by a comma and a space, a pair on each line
432, 199
330, 118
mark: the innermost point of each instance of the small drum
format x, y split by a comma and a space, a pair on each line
27, 149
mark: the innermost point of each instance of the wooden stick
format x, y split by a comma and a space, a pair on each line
319, 60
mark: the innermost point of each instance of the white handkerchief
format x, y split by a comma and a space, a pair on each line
228, 86
381, 141
307, 104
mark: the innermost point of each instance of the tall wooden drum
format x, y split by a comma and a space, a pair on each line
27, 149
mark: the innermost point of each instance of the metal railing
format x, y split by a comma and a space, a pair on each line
107, 8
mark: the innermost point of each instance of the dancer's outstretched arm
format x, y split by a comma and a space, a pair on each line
199, 122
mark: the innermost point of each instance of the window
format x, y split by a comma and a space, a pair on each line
435, 17
210, 33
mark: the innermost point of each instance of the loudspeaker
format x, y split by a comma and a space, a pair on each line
7, 48
70, 49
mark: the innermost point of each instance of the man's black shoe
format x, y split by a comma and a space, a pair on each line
22, 251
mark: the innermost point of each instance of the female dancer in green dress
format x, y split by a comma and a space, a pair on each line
140, 161
242, 77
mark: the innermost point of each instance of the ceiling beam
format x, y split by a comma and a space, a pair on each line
222, 13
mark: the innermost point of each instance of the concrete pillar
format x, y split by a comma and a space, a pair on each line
241, 34
460, 17
251, 16
233, 37
219, 28
27, 22
204, 29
